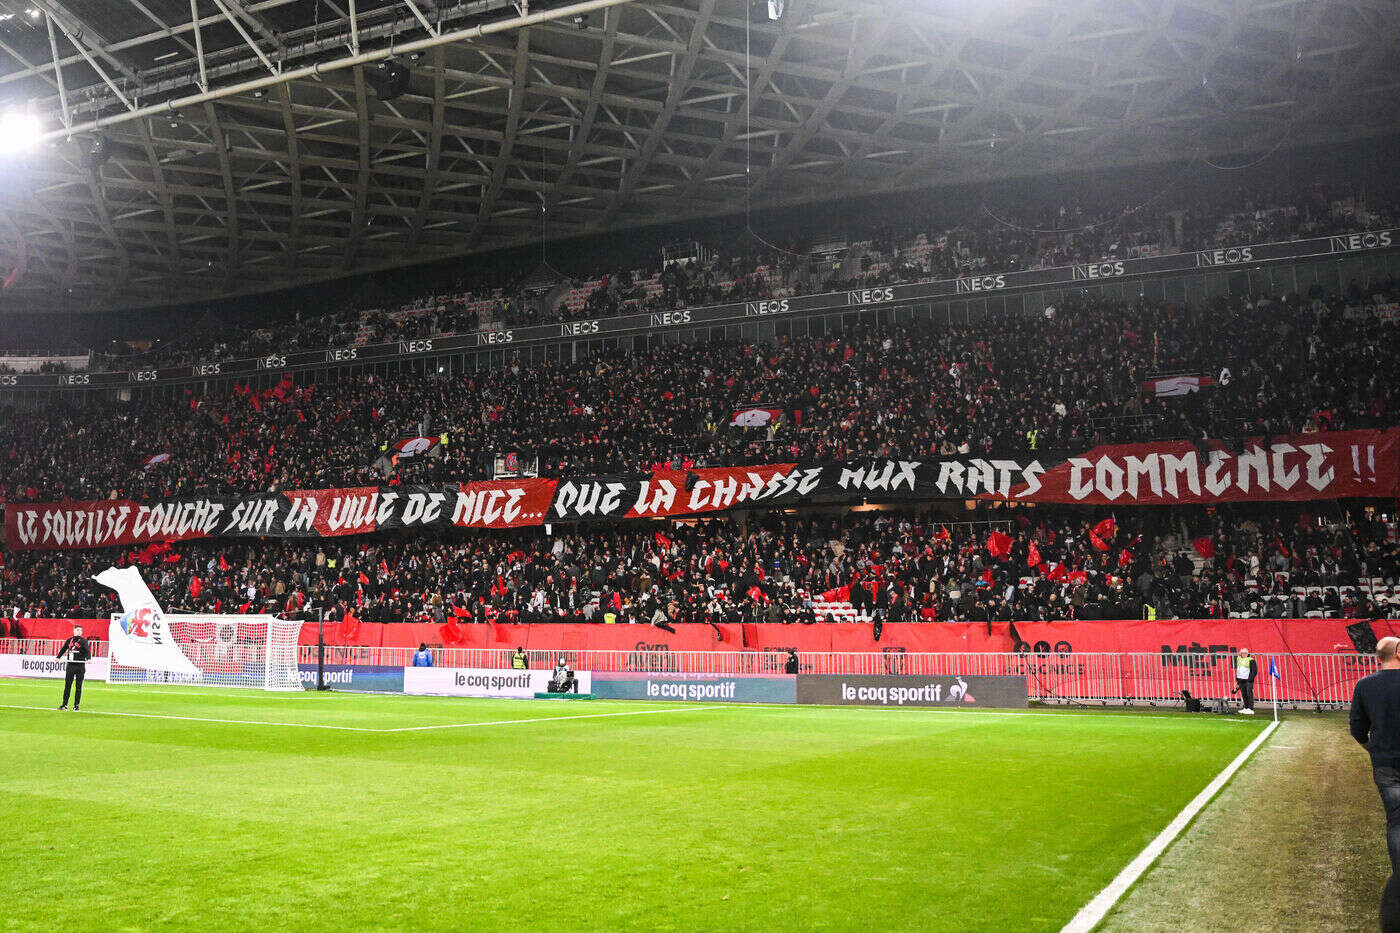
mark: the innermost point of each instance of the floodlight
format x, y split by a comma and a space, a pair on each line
18, 131
391, 79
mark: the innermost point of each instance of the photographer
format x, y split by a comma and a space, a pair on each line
563, 680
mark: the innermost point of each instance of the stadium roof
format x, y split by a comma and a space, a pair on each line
232, 165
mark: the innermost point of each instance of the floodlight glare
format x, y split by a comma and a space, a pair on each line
19, 130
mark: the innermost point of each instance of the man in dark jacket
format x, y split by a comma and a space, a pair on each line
1375, 723
78, 652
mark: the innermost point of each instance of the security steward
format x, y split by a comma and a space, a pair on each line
78, 652
1246, 669
519, 661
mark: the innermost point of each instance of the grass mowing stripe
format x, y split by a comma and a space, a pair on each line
1094, 911
309, 725
240, 722
511, 722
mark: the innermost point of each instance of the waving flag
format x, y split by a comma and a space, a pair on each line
754, 417
141, 637
1173, 386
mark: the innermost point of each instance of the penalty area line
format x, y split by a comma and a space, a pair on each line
1093, 912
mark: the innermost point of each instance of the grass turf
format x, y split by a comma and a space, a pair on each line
661, 816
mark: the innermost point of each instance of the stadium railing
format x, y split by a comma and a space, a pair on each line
46, 646
1305, 680
1321, 679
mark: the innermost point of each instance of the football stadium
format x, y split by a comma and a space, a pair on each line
700, 465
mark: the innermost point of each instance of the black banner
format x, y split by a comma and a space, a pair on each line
970, 285
1353, 464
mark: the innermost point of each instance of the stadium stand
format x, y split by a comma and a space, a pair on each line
1270, 561
1020, 236
1078, 375
1071, 378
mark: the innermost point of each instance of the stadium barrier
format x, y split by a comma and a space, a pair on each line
1313, 680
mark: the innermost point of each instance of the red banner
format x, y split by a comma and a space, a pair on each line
1335, 465
504, 503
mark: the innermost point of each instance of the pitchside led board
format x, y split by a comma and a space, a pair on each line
896, 690
709, 688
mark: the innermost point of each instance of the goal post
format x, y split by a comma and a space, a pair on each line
253, 651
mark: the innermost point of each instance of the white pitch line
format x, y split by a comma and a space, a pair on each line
1091, 913
1092, 712
511, 722
241, 722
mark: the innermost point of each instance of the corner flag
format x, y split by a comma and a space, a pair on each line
1278, 678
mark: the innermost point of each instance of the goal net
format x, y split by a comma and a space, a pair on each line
221, 651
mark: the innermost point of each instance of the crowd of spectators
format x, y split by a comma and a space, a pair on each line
1069, 378
1025, 235
901, 565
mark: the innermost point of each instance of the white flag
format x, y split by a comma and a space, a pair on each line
141, 637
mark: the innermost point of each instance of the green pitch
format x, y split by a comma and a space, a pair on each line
336, 811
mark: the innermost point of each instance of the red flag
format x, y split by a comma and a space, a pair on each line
461, 612
223, 563
663, 542
1033, 556
1125, 559
1099, 543
451, 633
987, 576
349, 628
196, 587
942, 534
1059, 573
1205, 546
1078, 576
998, 544
1106, 528
364, 580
